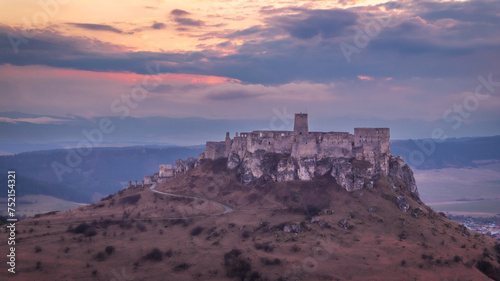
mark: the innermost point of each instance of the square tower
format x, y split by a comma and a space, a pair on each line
300, 126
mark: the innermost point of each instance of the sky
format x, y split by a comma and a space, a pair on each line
422, 61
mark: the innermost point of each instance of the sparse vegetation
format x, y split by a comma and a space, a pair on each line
181, 267
154, 255
266, 247
235, 265
196, 231
246, 234
100, 256
131, 199
141, 227
267, 261
81, 228
488, 269
109, 250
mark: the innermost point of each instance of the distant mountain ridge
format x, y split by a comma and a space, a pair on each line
22, 132
452, 153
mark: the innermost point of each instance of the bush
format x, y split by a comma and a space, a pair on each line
38, 249
169, 253
141, 227
312, 210
109, 250
131, 199
266, 247
196, 231
267, 261
154, 255
79, 229
488, 269
246, 234
91, 231
181, 267
101, 256
235, 265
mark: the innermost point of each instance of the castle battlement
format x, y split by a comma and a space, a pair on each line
302, 143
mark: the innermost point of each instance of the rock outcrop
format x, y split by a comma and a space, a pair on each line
350, 173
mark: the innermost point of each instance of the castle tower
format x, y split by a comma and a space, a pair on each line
301, 126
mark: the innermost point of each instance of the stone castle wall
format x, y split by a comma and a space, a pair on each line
311, 144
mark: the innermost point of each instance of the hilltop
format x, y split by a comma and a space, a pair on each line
289, 230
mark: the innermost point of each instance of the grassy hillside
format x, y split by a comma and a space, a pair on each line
297, 230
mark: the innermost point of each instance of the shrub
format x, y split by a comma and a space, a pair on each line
141, 227
38, 265
169, 253
488, 269
268, 261
181, 267
154, 255
38, 249
109, 250
91, 231
131, 199
266, 247
196, 231
79, 229
101, 256
235, 265
246, 234
312, 210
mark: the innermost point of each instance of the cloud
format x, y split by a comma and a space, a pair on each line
37, 120
158, 25
368, 78
97, 27
245, 32
188, 22
178, 13
277, 51
311, 23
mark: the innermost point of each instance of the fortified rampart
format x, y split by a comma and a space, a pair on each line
300, 143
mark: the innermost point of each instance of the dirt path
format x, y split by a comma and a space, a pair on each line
227, 209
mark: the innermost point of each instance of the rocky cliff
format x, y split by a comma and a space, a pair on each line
352, 174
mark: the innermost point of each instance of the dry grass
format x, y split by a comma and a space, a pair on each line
385, 244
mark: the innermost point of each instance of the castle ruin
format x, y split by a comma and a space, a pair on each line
365, 144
